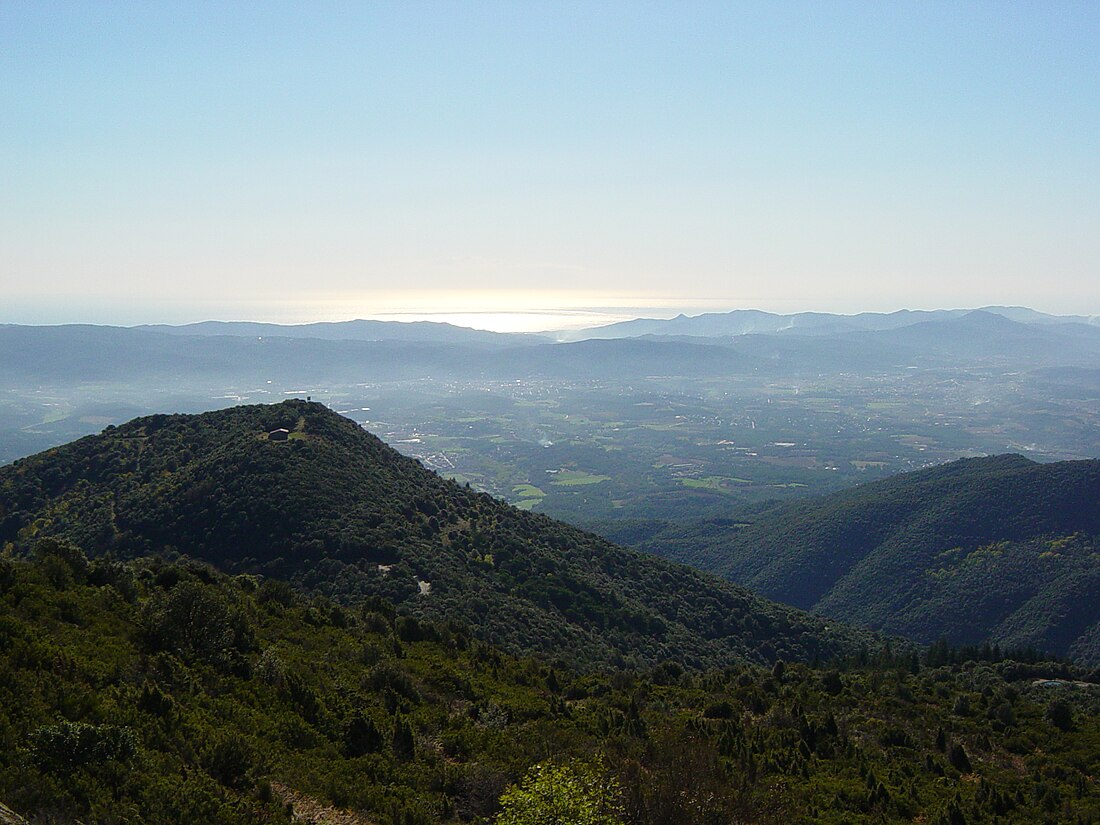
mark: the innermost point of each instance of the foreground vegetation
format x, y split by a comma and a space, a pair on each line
167, 692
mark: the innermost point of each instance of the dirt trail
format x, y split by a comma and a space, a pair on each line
309, 810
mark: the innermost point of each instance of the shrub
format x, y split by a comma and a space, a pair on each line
831, 683
230, 761
77, 744
578, 793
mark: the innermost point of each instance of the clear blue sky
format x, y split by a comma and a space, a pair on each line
174, 161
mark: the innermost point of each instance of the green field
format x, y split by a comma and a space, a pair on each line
527, 491
574, 478
718, 483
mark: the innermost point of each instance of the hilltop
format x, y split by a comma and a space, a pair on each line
998, 549
336, 511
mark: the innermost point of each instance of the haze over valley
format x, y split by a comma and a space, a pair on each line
678, 419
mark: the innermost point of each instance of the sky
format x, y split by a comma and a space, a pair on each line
544, 163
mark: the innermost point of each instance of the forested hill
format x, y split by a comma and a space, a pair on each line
336, 511
998, 549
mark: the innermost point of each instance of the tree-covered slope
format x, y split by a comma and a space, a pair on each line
1000, 549
154, 693
337, 511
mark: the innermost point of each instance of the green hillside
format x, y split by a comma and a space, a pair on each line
335, 511
156, 692
994, 549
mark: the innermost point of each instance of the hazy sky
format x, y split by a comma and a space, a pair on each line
175, 161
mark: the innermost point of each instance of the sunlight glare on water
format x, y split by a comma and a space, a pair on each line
533, 320
496, 311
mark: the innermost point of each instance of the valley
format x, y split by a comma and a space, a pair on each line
675, 447
667, 447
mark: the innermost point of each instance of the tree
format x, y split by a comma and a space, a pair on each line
361, 736
778, 669
197, 621
956, 755
63, 563
402, 741
577, 793
1060, 714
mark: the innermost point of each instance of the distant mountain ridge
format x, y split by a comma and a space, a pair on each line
84, 353
944, 340
356, 330
336, 510
997, 549
256, 353
752, 321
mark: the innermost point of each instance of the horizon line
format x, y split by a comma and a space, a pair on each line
571, 319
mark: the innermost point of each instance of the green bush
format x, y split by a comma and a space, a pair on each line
578, 793
230, 761
78, 744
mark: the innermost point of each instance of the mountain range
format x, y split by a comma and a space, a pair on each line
361, 351
357, 330
757, 322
